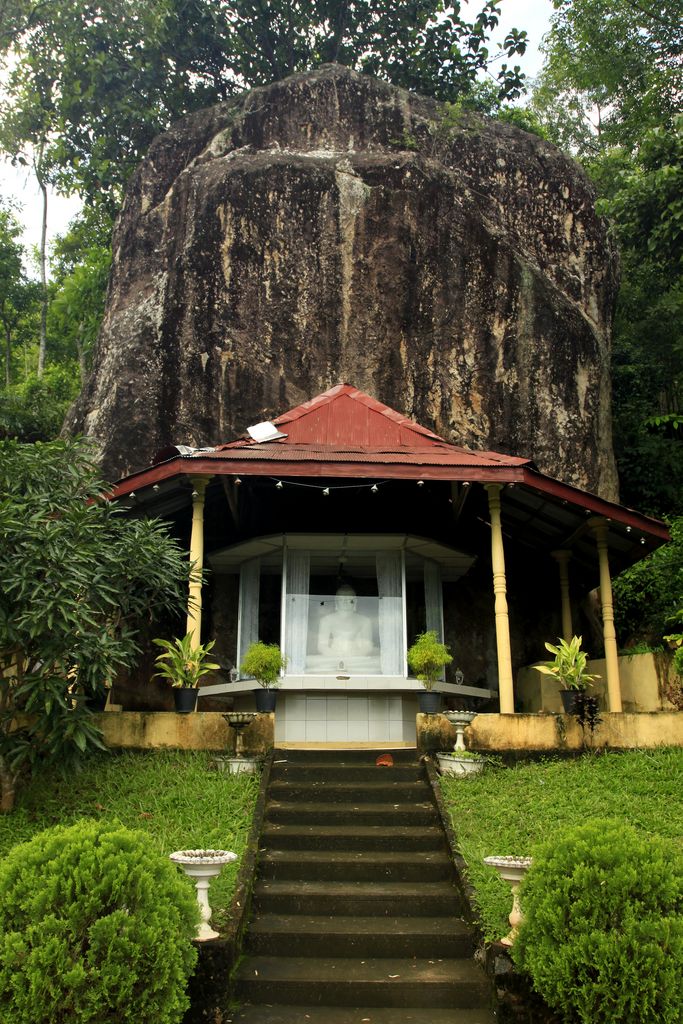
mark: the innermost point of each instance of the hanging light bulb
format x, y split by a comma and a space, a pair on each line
374, 489
326, 492
279, 485
420, 483
237, 481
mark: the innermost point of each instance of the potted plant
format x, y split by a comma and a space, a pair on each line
264, 662
569, 668
182, 664
427, 658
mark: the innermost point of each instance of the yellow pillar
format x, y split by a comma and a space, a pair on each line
505, 684
562, 559
599, 528
194, 602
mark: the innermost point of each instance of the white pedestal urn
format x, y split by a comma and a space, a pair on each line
460, 719
469, 763
202, 866
239, 720
511, 870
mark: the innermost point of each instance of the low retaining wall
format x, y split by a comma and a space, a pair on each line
553, 732
201, 730
208, 730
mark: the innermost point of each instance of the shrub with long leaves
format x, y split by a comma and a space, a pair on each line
76, 581
603, 932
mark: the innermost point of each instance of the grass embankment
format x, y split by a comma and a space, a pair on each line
171, 796
512, 810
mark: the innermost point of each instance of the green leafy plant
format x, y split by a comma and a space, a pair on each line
182, 663
78, 581
569, 664
95, 926
603, 932
674, 691
466, 755
428, 657
264, 662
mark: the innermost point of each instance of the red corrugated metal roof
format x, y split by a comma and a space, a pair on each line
346, 425
435, 455
346, 416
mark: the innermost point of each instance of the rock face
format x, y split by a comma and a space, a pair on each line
334, 228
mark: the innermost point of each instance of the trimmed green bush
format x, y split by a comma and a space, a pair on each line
603, 932
95, 926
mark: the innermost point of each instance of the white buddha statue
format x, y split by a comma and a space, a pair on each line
345, 641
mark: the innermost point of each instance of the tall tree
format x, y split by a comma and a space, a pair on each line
609, 92
642, 195
613, 69
108, 75
16, 292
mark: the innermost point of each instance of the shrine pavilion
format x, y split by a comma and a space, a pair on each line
341, 530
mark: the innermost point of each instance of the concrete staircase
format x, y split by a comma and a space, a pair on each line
356, 917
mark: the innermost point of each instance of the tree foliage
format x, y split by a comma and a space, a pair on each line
34, 409
19, 297
615, 66
77, 580
643, 196
100, 80
648, 596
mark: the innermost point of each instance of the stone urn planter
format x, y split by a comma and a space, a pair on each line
460, 719
461, 761
202, 866
511, 870
467, 764
240, 763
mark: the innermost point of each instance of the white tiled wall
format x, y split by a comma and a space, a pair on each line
336, 718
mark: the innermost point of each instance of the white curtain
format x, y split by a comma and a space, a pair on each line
250, 579
390, 588
296, 615
434, 600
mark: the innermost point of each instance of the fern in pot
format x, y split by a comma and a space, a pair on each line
264, 663
427, 658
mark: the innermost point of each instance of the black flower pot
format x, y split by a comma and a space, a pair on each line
428, 702
185, 699
570, 698
265, 700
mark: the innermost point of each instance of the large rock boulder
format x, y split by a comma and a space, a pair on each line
331, 227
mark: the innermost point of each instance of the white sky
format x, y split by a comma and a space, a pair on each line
19, 185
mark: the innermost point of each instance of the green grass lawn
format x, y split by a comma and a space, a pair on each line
512, 810
171, 796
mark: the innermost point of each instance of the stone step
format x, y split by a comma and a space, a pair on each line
352, 837
365, 899
359, 865
358, 1015
348, 981
332, 772
307, 935
423, 813
350, 755
374, 792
